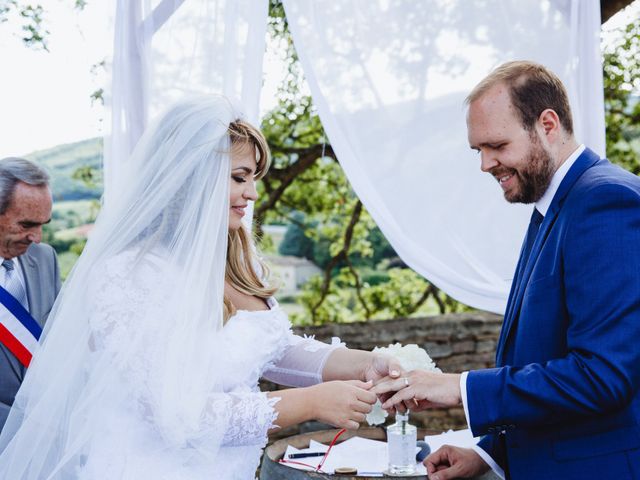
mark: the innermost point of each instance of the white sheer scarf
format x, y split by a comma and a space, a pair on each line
166, 49
145, 296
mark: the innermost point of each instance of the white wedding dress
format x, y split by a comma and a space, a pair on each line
127, 444
137, 375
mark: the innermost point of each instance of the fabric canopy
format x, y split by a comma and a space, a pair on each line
166, 49
389, 78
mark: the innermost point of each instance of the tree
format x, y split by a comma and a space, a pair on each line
622, 96
30, 17
295, 242
305, 177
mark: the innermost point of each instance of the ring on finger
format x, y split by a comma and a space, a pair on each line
406, 381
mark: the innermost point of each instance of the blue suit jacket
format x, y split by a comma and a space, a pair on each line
563, 401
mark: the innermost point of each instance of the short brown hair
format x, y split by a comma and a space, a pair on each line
532, 88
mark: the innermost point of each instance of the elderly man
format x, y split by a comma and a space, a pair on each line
563, 401
29, 274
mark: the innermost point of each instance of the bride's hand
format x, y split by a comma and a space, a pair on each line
343, 404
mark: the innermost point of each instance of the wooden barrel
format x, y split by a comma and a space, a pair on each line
271, 469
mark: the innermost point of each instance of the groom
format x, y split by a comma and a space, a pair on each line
563, 401
29, 270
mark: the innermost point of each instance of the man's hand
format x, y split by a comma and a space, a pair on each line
419, 390
454, 462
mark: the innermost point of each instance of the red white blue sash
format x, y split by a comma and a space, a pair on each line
19, 332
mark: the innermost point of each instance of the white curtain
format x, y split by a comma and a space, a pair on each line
389, 78
166, 49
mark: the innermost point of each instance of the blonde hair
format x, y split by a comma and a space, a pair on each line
245, 271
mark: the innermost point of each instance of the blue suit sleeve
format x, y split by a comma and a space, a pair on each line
494, 446
599, 316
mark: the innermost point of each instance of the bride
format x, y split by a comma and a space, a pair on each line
152, 354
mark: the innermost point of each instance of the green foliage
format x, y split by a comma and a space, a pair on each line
622, 96
356, 285
295, 242
30, 18
66, 260
77, 247
74, 169
76, 187
49, 237
403, 293
307, 188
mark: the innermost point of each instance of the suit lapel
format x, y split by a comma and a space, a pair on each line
523, 272
509, 309
31, 274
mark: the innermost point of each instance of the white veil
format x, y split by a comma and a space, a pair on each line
145, 296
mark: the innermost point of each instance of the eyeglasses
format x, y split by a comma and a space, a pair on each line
317, 468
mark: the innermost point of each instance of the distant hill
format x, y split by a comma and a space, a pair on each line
63, 160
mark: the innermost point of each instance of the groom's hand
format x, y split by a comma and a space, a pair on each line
454, 462
419, 390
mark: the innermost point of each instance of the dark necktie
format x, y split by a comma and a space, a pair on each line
532, 232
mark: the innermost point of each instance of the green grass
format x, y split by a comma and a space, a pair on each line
66, 260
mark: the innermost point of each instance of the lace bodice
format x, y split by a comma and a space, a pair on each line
233, 414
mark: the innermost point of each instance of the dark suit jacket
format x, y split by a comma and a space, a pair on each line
563, 401
42, 278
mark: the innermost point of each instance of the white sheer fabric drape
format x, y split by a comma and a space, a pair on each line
166, 49
389, 78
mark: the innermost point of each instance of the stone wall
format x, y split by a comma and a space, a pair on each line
456, 342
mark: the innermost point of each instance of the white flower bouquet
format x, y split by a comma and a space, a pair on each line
411, 357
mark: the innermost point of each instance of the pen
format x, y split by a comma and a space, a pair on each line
306, 455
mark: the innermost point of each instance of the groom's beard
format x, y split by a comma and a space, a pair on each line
535, 177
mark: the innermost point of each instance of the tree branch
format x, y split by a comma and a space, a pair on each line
356, 277
341, 255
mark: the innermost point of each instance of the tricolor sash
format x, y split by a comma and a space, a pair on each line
19, 332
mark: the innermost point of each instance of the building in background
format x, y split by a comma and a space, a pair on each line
291, 272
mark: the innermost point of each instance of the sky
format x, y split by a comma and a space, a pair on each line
45, 96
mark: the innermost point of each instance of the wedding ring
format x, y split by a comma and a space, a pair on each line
406, 381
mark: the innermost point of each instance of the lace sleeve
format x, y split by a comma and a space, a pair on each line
302, 362
126, 303
245, 417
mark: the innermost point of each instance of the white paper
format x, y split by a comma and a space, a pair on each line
457, 438
368, 456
